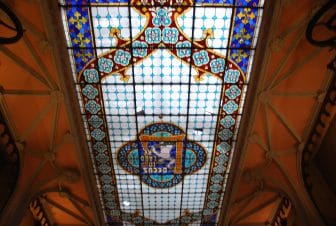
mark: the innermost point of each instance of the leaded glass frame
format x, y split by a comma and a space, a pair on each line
162, 80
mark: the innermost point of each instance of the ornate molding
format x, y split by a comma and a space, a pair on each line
326, 99
282, 214
17, 25
39, 213
9, 162
318, 20
43, 203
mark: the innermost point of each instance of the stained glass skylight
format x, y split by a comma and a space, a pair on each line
161, 86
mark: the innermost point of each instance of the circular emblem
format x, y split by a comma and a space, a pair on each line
162, 156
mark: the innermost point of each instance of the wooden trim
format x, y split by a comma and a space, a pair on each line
54, 27
270, 15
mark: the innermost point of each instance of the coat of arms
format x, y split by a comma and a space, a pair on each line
162, 155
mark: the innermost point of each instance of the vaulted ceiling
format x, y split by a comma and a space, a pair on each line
39, 103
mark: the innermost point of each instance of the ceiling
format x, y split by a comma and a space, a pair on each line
288, 83
152, 98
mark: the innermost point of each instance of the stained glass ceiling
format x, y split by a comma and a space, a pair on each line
161, 85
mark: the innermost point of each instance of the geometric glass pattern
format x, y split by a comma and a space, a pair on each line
161, 85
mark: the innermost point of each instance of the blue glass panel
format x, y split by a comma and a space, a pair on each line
250, 3
215, 1
76, 2
244, 28
80, 36
241, 57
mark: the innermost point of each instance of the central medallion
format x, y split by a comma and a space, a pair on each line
162, 155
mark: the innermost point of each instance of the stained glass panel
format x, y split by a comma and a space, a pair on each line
161, 86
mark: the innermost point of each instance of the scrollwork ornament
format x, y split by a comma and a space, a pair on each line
16, 22
329, 24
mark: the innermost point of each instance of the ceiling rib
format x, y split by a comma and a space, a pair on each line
39, 62
281, 65
31, 71
307, 58
284, 122
20, 92
255, 209
65, 210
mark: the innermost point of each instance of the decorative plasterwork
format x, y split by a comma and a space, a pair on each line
10, 162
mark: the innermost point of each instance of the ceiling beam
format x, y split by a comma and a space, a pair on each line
20, 92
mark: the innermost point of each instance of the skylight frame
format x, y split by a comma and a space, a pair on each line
245, 67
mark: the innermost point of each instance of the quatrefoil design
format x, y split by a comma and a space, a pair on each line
162, 157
